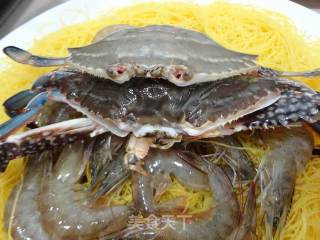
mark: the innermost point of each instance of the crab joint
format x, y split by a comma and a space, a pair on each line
137, 149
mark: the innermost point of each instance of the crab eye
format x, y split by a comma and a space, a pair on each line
115, 71
187, 75
121, 70
182, 74
178, 74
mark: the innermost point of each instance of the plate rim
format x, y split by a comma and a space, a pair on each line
92, 9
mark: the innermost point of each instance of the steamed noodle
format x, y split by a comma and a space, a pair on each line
267, 34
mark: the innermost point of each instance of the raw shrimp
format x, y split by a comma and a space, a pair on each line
26, 223
217, 223
142, 194
159, 165
144, 200
172, 162
290, 150
65, 213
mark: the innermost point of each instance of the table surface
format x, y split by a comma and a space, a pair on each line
28, 9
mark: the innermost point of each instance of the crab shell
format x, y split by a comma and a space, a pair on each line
181, 56
122, 52
149, 107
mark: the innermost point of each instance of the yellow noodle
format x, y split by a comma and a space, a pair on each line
7, 181
242, 28
15, 205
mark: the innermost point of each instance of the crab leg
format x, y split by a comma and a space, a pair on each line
26, 105
25, 57
43, 138
48, 80
15, 105
18, 102
21, 120
17, 122
312, 73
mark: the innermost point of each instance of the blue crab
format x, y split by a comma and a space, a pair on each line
157, 84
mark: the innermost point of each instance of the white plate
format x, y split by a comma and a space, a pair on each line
76, 11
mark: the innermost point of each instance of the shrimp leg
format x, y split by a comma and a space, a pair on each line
229, 151
106, 164
113, 175
237, 159
247, 227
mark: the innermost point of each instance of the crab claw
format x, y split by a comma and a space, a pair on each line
134, 163
296, 103
43, 138
136, 150
22, 56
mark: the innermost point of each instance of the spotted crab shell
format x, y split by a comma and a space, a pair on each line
182, 56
